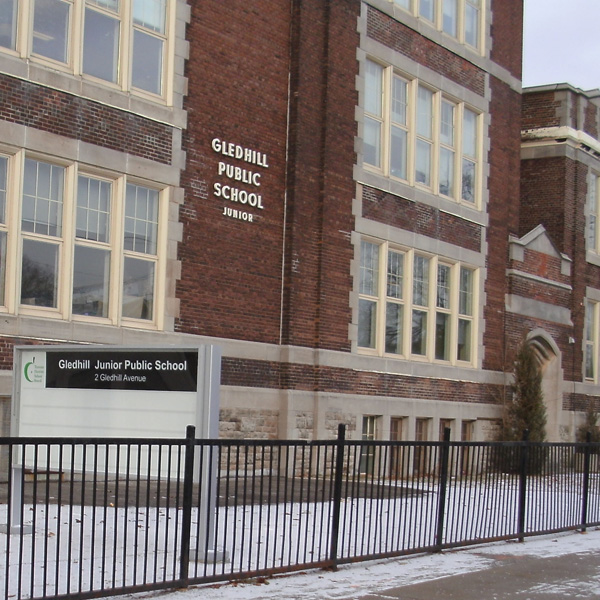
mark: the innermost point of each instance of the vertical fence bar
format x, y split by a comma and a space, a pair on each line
586, 481
337, 495
443, 487
186, 514
523, 484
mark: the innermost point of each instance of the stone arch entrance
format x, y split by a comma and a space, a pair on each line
549, 358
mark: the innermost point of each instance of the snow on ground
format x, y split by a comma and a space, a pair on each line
363, 578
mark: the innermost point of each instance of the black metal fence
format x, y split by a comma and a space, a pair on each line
97, 517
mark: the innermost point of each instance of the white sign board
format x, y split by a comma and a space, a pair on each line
105, 391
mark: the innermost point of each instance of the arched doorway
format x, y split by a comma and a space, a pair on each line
549, 358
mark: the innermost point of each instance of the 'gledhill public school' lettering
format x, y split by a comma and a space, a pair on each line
239, 175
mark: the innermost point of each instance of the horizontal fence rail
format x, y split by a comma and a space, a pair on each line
87, 518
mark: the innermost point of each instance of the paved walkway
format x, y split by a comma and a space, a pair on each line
509, 577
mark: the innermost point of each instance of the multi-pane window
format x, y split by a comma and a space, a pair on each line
593, 202
3, 230
89, 246
417, 134
591, 341
415, 305
41, 229
460, 19
122, 42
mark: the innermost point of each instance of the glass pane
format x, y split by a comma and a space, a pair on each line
442, 336
399, 101
589, 322
101, 45
373, 88
8, 23
3, 187
465, 296
141, 231
150, 14
93, 204
39, 275
367, 321
372, 142
446, 172
421, 281
463, 351
426, 9
419, 333
589, 361
443, 287
50, 29
42, 198
146, 67
447, 124
423, 163
395, 274
107, 4
449, 17
369, 268
91, 276
2, 267
393, 328
472, 25
424, 112
469, 133
138, 288
398, 153
403, 3
468, 180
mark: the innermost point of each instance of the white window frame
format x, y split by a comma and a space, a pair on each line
590, 336
68, 242
377, 298
463, 8
418, 139
75, 44
593, 210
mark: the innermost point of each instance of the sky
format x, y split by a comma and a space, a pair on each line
562, 43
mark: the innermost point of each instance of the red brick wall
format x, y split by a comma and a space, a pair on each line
503, 210
321, 188
78, 118
507, 35
238, 372
540, 109
399, 37
238, 79
420, 218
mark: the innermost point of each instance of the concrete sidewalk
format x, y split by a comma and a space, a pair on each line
511, 577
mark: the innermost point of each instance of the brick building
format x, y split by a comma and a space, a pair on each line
330, 191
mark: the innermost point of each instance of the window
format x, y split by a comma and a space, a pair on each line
8, 24
593, 242
122, 42
408, 123
367, 452
3, 230
89, 245
591, 341
460, 19
413, 305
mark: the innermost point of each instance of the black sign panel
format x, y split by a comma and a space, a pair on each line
160, 370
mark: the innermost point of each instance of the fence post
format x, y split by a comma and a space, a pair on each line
186, 516
337, 495
586, 480
523, 484
443, 485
